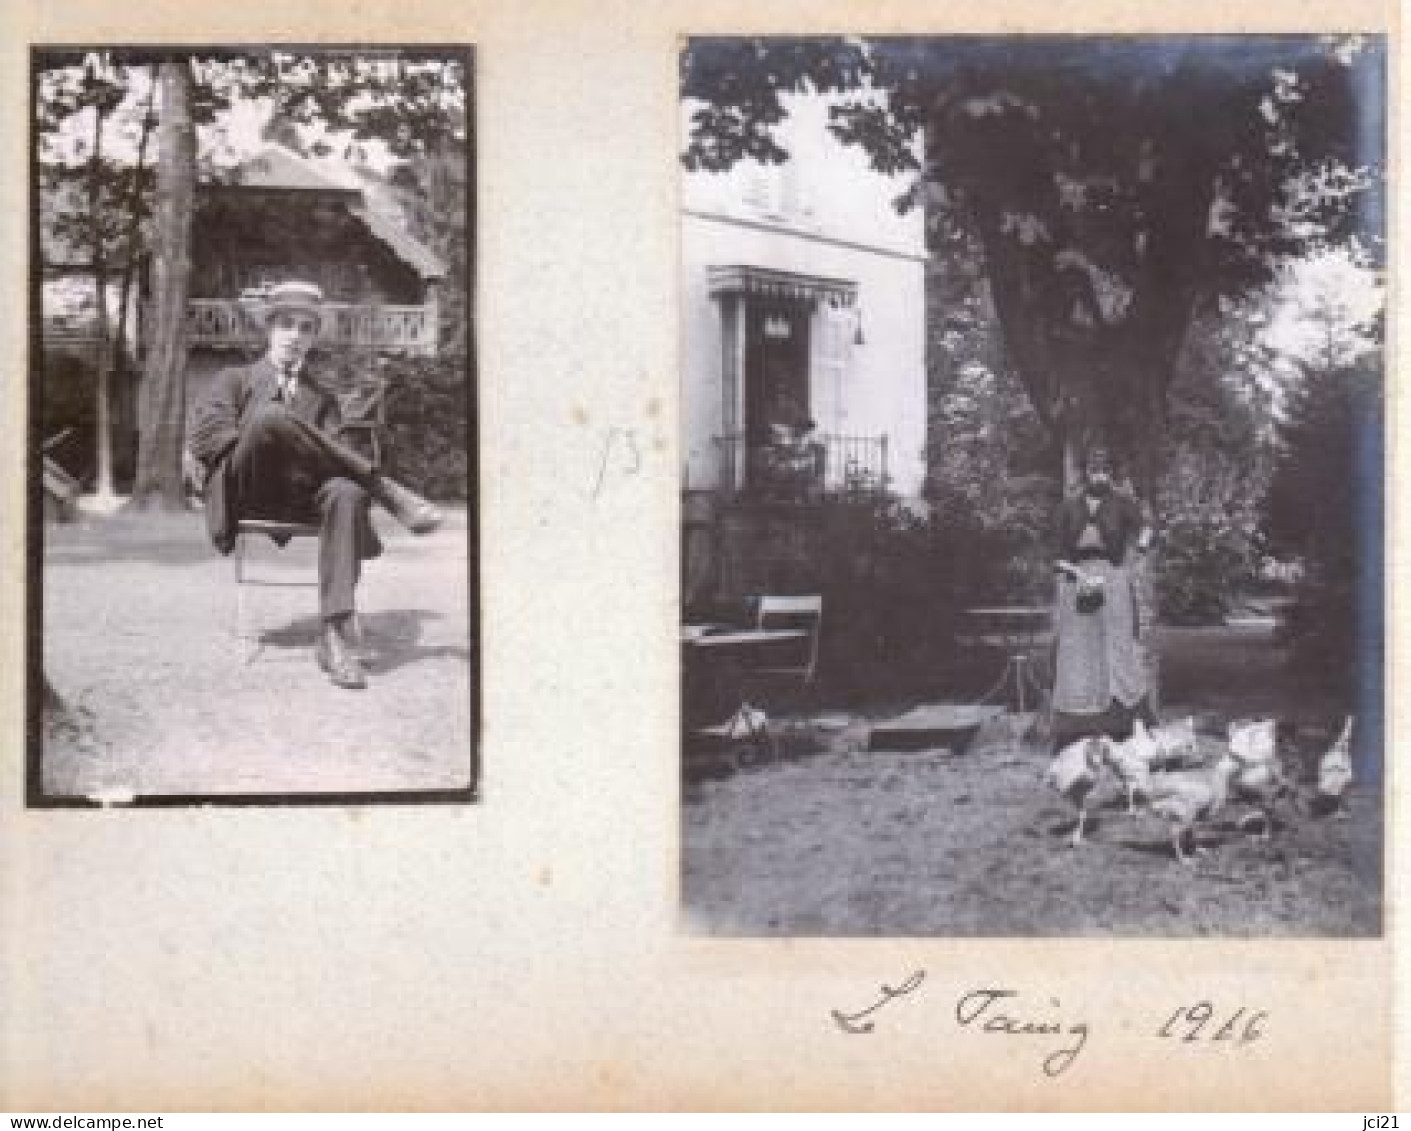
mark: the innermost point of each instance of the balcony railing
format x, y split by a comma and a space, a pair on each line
407, 329
821, 466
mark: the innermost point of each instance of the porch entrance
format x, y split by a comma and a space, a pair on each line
776, 376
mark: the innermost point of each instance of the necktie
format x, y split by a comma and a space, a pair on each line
286, 386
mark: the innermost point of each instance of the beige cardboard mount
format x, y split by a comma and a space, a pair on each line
525, 952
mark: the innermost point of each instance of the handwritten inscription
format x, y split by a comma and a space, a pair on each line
1059, 1038
983, 1009
853, 1023
1191, 1023
620, 449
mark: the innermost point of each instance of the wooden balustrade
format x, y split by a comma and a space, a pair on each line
408, 329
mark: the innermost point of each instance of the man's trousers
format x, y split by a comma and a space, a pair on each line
278, 471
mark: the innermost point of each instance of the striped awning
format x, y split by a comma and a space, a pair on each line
766, 282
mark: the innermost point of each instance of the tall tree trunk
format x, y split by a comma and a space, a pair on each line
162, 407
104, 422
131, 251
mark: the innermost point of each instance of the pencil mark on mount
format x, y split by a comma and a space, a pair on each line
625, 439
853, 1023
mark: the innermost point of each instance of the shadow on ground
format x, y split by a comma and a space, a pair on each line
158, 698
391, 639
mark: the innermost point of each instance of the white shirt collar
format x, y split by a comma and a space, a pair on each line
288, 378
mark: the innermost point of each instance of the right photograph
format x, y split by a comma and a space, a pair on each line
1032, 528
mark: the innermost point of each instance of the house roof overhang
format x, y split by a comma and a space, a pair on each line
768, 282
403, 244
277, 169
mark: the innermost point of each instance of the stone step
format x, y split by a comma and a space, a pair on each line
929, 726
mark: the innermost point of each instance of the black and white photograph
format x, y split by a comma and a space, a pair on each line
252, 463
1032, 394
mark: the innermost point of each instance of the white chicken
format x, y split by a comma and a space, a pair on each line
1176, 743
1260, 778
1186, 797
1132, 760
1074, 772
1253, 741
1335, 771
748, 722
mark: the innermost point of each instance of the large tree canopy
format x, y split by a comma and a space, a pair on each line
412, 103
1117, 185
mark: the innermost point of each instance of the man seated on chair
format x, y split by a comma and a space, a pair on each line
267, 436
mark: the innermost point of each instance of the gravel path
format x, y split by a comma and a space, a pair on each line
139, 618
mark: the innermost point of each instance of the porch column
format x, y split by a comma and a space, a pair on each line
732, 386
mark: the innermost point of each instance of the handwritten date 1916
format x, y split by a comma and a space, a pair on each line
1191, 1023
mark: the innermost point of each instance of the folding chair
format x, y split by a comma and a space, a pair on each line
805, 613
749, 728
363, 417
247, 637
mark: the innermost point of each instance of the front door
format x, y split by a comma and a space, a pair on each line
776, 373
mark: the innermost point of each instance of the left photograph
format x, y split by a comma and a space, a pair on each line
252, 569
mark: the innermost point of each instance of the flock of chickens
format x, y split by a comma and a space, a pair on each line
1162, 767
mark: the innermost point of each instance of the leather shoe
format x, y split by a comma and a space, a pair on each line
355, 636
408, 508
342, 666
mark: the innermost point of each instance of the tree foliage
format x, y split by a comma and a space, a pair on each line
1117, 185
988, 457
1324, 508
93, 208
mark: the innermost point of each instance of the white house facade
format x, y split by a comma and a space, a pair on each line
803, 285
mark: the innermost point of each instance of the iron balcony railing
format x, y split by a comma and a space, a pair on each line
823, 465
408, 329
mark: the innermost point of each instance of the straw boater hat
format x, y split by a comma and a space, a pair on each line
293, 295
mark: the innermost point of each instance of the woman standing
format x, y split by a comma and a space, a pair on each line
1102, 680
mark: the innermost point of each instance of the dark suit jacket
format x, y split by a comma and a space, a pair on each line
215, 429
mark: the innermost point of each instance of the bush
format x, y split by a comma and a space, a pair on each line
1207, 556
430, 426
890, 594
898, 583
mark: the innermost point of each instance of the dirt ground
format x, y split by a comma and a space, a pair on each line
830, 839
139, 643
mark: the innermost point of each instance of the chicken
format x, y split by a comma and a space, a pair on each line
1335, 771
1260, 778
1176, 743
1074, 773
1186, 797
747, 722
1253, 741
1131, 760
1264, 785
